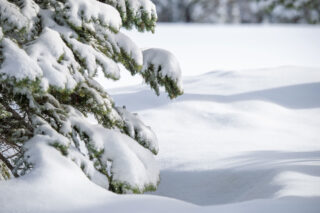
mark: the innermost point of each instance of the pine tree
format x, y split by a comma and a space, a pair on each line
290, 11
239, 11
50, 53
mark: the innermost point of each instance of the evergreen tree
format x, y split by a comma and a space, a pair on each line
50, 53
290, 11
239, 11
203, 11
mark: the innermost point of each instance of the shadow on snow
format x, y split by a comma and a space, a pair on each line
252, 177
300, 96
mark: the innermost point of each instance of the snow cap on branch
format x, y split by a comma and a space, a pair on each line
161, 67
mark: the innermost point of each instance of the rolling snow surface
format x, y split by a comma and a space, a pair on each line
236, 135
240, 139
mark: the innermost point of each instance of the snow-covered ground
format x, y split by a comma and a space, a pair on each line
236, 135
204, 48
241, 138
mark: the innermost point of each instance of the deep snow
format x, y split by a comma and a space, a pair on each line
236, 135
246, 139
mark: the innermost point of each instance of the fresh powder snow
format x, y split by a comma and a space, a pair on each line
240, 139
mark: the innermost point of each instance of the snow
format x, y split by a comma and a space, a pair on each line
30, 9
138, 130
241, 139
298, 184
136, 165
17, 63
147, 6
165, 64
52, 49
49, 184
11, 14
236, 136
137, 7
92, 11
201, 48
93, 59
47, 50
124, 42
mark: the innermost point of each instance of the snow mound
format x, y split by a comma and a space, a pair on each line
236, 136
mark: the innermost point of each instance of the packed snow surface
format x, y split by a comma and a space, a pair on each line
239, 139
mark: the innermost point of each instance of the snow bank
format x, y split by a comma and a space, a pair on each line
55, 180
237, 136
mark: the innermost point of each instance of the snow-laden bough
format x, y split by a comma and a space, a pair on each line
50, 53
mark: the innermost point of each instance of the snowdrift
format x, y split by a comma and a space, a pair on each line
237, 141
